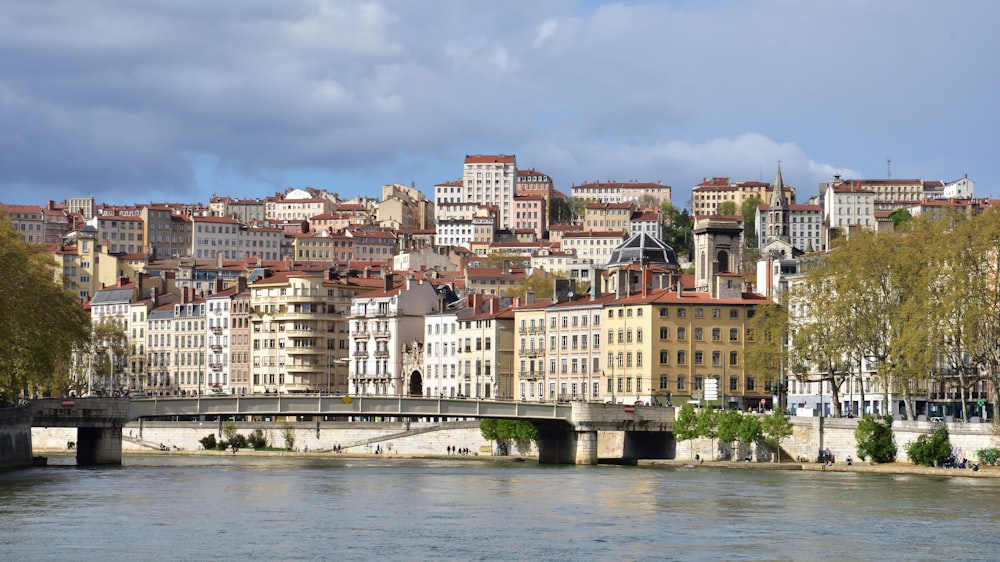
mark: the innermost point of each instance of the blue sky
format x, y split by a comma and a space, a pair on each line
175, 101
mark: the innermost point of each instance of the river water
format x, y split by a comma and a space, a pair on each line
172, 507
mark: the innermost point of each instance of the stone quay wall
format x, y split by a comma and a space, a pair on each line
812, 434
414, 439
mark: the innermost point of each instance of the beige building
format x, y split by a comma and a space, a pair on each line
491, 180
639, 193
708, 195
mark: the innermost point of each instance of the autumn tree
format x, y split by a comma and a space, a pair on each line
42, 322
766, 349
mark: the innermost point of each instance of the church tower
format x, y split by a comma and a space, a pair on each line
778, 213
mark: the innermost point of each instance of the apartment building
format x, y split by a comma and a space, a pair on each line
297, 205
491, 180
608, 217
708, 195
639, 193
381, 323
595, 246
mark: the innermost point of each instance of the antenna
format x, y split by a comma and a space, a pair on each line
888, 169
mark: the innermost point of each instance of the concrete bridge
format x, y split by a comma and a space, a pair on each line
567, 431
99, 423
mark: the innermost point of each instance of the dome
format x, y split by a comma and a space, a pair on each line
641, 246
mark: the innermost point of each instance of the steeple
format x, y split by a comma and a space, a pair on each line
778, 212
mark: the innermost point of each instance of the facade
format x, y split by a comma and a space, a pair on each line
532, 183
189, 334
381, 323
296, 205
595, 246
847, 206
639, 193
708, 195
440, 358
608, 217
530, 212
491, 180
718, 248
298, 325
28, 221
219, 307
166, 234
648, 221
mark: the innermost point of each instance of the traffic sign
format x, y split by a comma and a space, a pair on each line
630, 409
981, 403
68, 403
711, 389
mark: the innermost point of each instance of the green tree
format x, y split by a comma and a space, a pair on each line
108, 354
750, 430
566, 210
504, 431
708, 424
727, 208
42, 323
900, 217
686, 425
875, 440
729, 428
766, 349
228, 430
929, 450
776, 427
541, 283
678, 225
749, 211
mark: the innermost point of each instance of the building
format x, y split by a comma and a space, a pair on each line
708, 195
595, 246
491, 180
718, 248
608, 217
381, 323
297, 205
27, 220
639, 193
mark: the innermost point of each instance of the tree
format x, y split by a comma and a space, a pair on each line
929, 450
766, 350
503, 431
686, 425
540, 283
108, 353
677, 228
875, 440
900, 217
566, 210
749, 211
729, 427
750, 430
776, 426
288, 434
708, 424
727, 208
42, 322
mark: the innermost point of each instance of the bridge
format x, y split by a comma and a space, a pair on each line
567, 432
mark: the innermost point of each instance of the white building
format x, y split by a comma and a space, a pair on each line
381, 323
592, 245
217, 327
491, 180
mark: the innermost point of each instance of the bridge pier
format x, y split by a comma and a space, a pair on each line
98, 445
564, 444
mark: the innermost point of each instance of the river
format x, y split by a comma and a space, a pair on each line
175, 507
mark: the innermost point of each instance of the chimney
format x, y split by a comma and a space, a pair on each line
680, 289
154, 297
241, 284
529, 297
388, 277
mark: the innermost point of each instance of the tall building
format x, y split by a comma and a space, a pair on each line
491, 180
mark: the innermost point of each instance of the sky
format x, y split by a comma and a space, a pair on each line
150, 101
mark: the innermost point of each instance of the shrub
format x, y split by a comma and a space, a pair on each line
257, 439
875, 439
239, 440
988, 456
928, 450
208, 442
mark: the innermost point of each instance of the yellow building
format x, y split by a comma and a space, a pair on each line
663, 344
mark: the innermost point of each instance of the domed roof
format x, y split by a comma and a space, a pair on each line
641, 246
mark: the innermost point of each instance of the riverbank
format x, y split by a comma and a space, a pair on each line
887, 468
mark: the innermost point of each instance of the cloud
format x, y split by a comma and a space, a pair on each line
183, 99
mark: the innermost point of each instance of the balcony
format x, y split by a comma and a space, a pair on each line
215, 366
216, 330
528, 375
215, 347
381, 334
360, 355
360, 334
381, 353
537, 330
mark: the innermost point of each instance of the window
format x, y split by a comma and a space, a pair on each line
699, 313
733, 383
681, 313
638, 335
638, 359
664, 333
734, 313
681, 357
716, 358
680, 382
664, 312
698, 382
664, 382
734, 357
716, 334
751, 384
716, 313
681, 333
664, 356
699, 358
734, 334
697, 334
